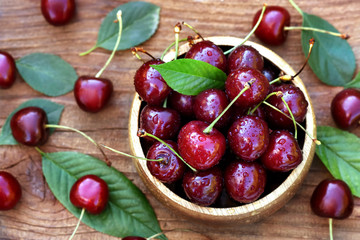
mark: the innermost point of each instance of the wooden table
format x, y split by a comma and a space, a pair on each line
23, 30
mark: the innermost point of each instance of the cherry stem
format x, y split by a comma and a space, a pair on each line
108, 162
170, 46
251, 32
78, 223
131, 156
296, 7
340, 35
208, 129
189, 26
142, 133
317, 142
292, 116
88, 51
118, 16
177, 30
135, 51
330, 228
279, 93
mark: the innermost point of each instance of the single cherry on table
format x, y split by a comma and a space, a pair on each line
7, 70
10, 191
58, 12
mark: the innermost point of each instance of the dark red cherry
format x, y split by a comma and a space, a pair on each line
236, 81
345, 108
245, 56
201, 150
295, 98
92, 93
183, 104
271, 28
10, 191
269, 73
332, 198
171, 168
207, 51
283, 153
209, 104
133, 238
90, 192
248, 137
245, 181
58, 12
7, 70
162, 122
149, 84
203, 187
28, 126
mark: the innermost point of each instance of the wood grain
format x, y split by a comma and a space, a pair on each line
23, 30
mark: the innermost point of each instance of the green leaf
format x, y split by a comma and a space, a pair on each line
339, 151
332, 59
53, 112
355, 83
47, 73
140, 21
128, 212
190, 77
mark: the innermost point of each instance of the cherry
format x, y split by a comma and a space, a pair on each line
91, 93
244, 181
133, 238
296, 101
245, 56
28, 126
248, 137
58, 12
150, 85
10, 191
201, 150
237, 80
182, 103
271, 28
171, 168
209, 104
7, 70
207, 51
203, 187
164, 123
332, 198
345, 108
283, 152
91, 193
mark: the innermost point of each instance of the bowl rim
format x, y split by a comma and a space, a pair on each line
248, 212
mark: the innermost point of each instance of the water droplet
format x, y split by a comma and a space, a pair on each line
155, 119
209, 53
282, 141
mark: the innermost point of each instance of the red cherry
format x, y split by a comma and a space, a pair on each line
7, 70
182, 103
271, 28
91, 93
245, 56
28, 126
58, 12
332, 199
345, 108
133, 238
10, 191
90, 192
201, 150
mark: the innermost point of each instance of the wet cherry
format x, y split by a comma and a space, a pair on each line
90, 192
245, 56
28, 126
182, 103
7, 70
58, 12
10, 191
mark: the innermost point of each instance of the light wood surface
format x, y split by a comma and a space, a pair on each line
23, 30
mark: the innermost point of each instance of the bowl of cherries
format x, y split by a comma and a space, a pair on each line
230, 153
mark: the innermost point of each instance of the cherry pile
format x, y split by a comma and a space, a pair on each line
249, 142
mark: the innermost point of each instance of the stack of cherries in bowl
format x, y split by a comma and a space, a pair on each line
241, 165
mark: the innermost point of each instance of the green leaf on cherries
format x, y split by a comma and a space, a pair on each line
190, 77
339, 151
128, 212
332, 59
140, 21
47, 73
53, 112
355, 83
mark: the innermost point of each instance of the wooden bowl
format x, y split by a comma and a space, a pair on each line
241, 214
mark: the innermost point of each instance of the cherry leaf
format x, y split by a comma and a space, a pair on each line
53, 112
128, 212
339, 151
355, 83
190, 77
332, 59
